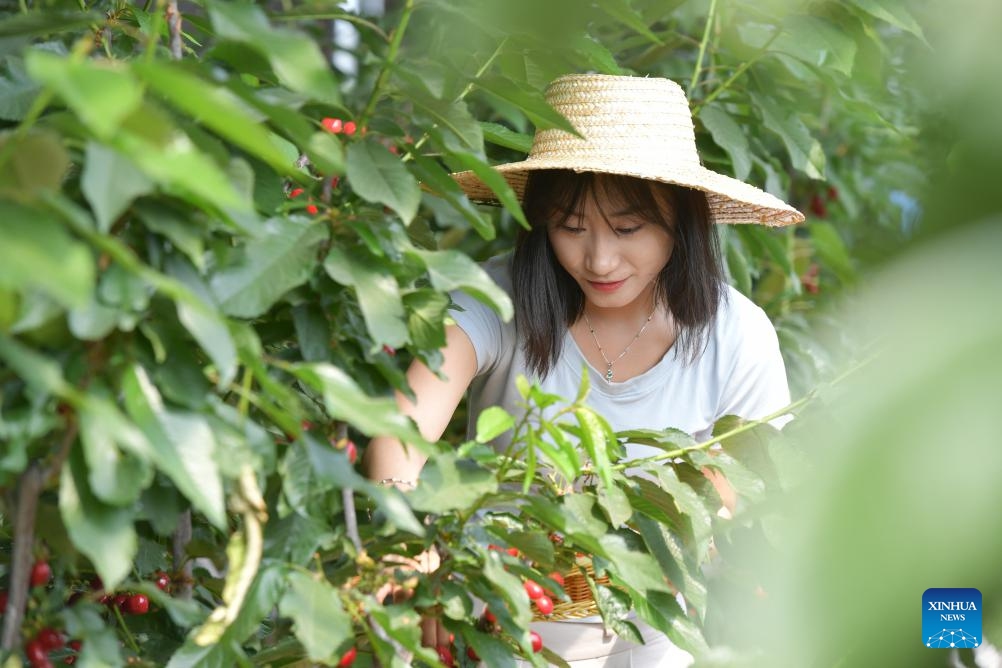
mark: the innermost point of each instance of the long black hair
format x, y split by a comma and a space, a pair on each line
548, 301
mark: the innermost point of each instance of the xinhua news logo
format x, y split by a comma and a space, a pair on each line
951, 618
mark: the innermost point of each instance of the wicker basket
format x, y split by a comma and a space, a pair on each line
580, 603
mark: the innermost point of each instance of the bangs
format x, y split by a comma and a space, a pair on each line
555, 197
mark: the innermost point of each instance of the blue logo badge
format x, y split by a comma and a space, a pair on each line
951, 618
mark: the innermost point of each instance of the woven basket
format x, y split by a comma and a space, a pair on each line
581, 603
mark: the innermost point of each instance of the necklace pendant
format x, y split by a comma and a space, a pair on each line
608, 374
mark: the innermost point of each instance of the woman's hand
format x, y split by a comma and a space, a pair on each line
433, 633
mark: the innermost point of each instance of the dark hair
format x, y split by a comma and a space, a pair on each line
548, 301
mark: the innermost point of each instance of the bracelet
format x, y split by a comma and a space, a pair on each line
396, 481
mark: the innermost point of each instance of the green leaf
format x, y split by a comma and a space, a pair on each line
17, 90
101, 93
805, 151
451, 483
593, 438
104, 533
832, 250
564, 455
615, 504
817, 42
497, 183
110, 182
614, 606
894, 12
502, 136
493, 422
274, 263
426, 310
628, 16
38, 253
687, 501
35, 369
345, 400
183, 443
378, 176
215, 107
294, 56
378, 294
101, 647
118, 455
745, 482
434, 178
37, 164
452, 270
185, 235
530, 101
729, 136
319, 619
634, 568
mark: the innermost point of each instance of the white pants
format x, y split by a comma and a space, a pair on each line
589, 646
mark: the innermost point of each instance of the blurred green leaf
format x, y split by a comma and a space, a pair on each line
832, 250
426, 309
117, 453
502, 136
530, 101
628, 16
378, 176
378, 295
104, 533
805, 152
183, 444
492, 422
296, 59
319, 619
38, 253
110, 182
449, 482
102, 94
215, 107
729, 136
894, 12
452, 270
497, 183
271, 265
37, 164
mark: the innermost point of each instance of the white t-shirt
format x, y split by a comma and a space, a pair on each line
739, 372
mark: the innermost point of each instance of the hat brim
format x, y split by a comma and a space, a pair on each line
730, 201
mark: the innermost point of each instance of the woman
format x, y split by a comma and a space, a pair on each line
620, 270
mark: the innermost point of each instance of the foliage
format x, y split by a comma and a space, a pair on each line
205, 292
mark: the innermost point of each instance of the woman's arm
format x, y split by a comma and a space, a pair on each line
435, 402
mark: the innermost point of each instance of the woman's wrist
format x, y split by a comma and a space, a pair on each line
396, 482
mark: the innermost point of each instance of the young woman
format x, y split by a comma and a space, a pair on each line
620, 271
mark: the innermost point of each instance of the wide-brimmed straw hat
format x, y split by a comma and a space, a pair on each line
633, 126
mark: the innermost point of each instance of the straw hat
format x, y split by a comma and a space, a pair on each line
636, 127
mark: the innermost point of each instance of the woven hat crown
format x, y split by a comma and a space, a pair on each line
632, 126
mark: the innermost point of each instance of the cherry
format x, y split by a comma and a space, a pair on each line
818, 207
445, 655
537, 642
533, 589
832, 193
36, 653
512, 551
489, 616
389, 351
544, 604
334, 125
349, 128
161, 580
119, 601
296, 192
348, 658
50, 638
41, 573
75, 645
335, 180
470, 652
312, 209
137, 604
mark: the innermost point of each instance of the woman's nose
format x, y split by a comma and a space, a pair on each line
602, 253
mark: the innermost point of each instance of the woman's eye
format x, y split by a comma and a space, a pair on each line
624, 231
572, 229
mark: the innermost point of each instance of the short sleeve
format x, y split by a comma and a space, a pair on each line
492, 339
756, 384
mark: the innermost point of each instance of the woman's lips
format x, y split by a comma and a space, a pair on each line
606, 287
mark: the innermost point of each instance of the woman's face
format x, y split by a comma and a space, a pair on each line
614, 258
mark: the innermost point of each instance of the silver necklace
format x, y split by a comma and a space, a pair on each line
608, 364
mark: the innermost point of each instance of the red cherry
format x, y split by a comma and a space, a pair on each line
389, 351
470, 652
137, 604
818, 207
312, 209
96, 584
533, 589
492, 546
489, 616
296, 192
334, 125
76, 645
445, 655
349, 128
36, 653
348, 658
512, 551
335, 180
832, 193
306, 425
161, 580
537, 642
544, 604
352, 450
50, 638
120, 600
558, 578
41, 573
